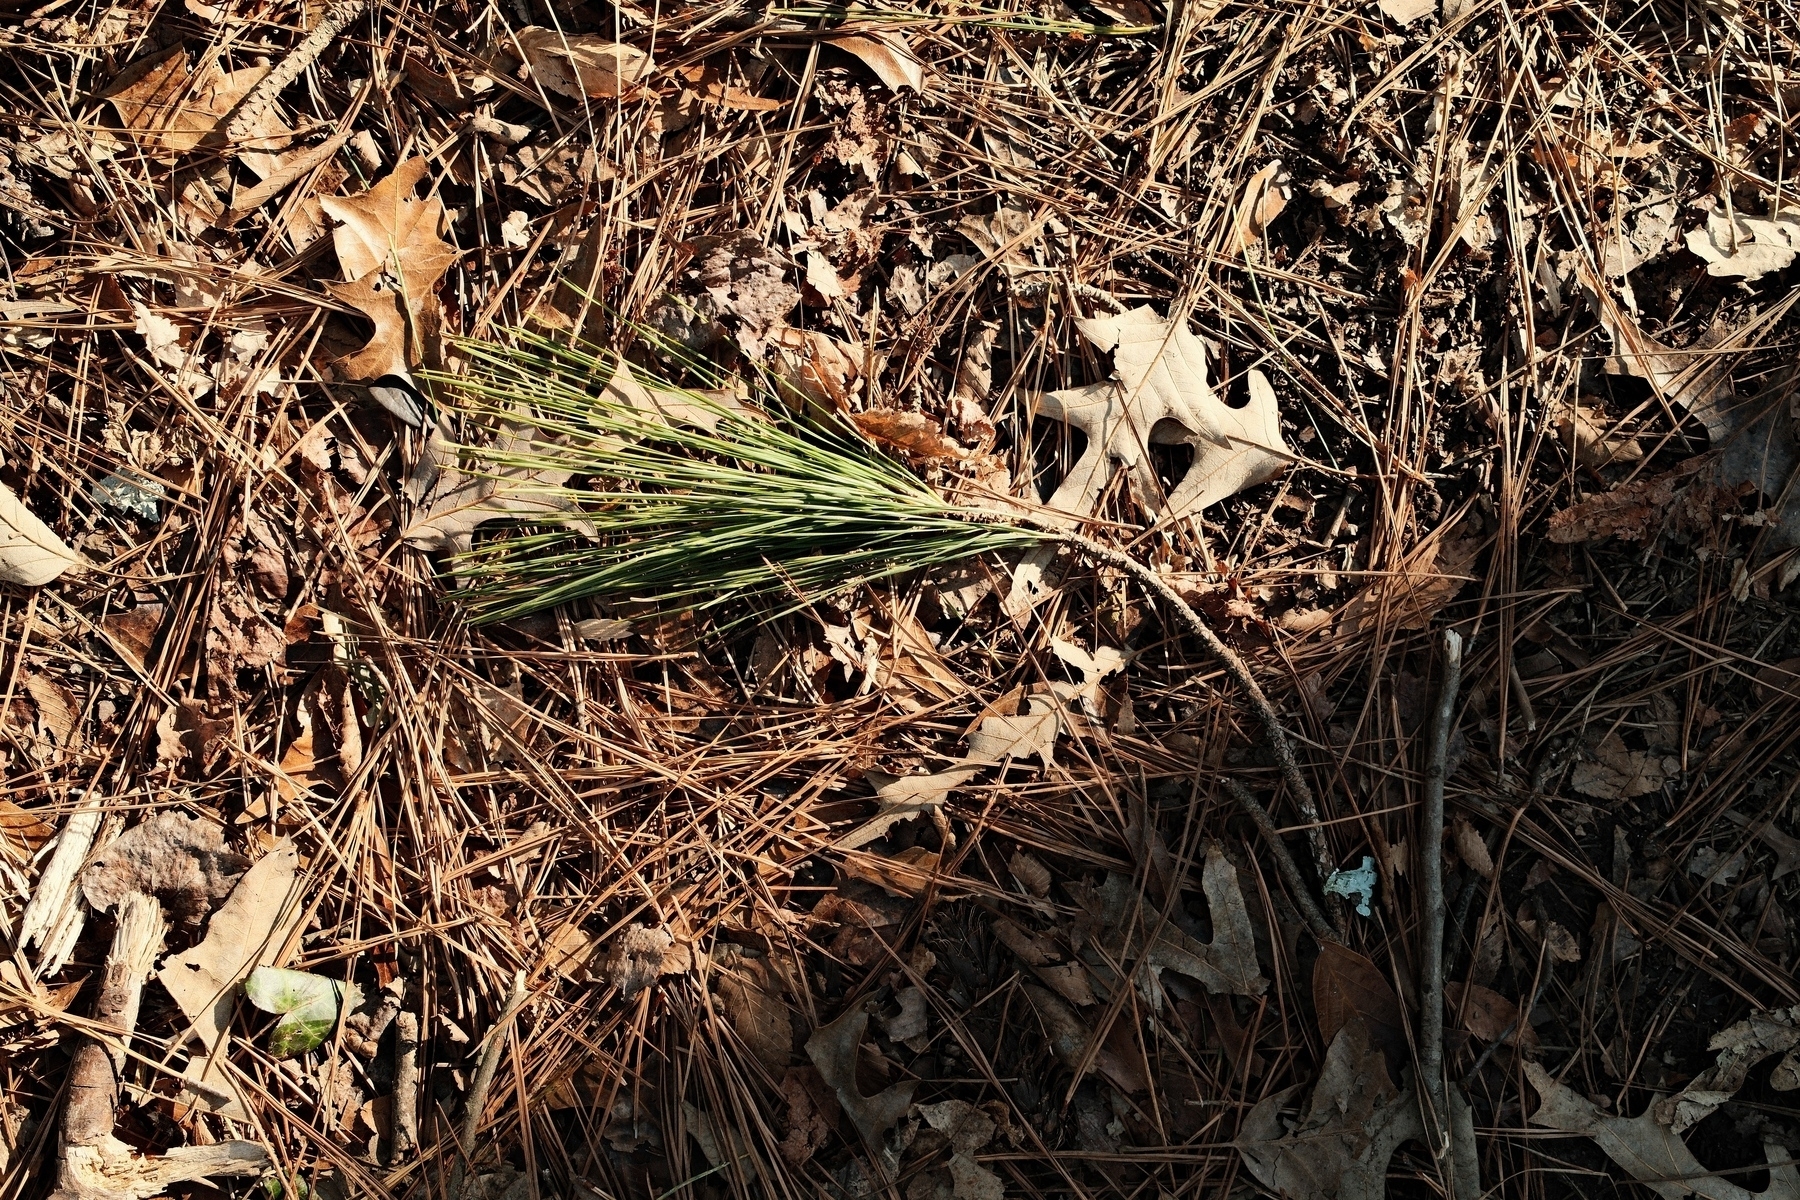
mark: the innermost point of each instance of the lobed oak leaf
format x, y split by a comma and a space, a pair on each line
1159, 393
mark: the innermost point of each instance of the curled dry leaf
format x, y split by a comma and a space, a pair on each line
1472, 849
59, 715
582, 65
834, 1050
1031, 873
31, 554
886, 54
1740, 247
814, 366
1264, 198
1648, 1150
1339, 1145
23, 831
1159, 375
910, 433
249, 930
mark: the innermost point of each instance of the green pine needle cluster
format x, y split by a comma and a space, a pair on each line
781, 508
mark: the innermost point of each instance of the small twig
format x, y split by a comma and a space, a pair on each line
1431, 876
484, 1079
1234, 666
268, 89
406, 1085
1284, 862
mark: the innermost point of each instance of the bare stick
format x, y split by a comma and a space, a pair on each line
92, 1164
1234, 667
406, 1085
1284, 862
1431, 876
484, 1079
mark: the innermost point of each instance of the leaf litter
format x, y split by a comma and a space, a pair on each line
1312, 311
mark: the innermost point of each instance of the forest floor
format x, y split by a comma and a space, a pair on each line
937, 887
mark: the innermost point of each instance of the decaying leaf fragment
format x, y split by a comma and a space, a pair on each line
967, 1129
1159, 375
1339, 1146
169, 106
182, 861
1018, 737
903, 797
639, 955
1648, 1150
1119, 915
1741, 1046
1433, 573
833, 1049
1619, 773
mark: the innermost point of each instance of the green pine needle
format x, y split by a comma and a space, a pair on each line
681, 518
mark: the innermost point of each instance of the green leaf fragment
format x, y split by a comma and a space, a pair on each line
309, 1006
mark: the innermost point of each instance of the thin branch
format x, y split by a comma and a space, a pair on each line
1431, 876
484, 1079
1284, 862
1239, 671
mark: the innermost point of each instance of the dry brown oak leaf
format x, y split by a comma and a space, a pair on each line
1159, 376
170, 107
392, 252
1648, 1150
1339, 1145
